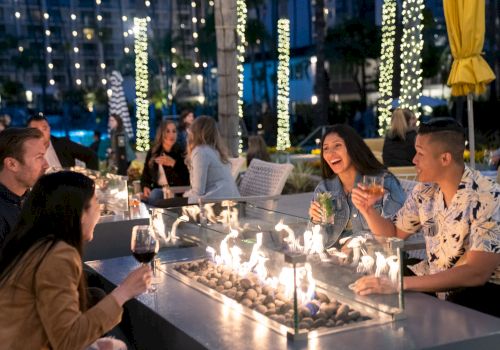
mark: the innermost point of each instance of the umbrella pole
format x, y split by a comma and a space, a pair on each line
472, 143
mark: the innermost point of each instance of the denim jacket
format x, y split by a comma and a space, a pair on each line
344, 209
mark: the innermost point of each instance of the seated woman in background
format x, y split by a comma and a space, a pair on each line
209, 167
116, 150
43, 295
345, 158
185, 121
164, 163
399, 144
257, 149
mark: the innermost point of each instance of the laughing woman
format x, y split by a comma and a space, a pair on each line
345, 158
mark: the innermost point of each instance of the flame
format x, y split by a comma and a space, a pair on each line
231, 255
293, 244
173, 233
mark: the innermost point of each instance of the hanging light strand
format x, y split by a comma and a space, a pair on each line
283, 84
241, 15
386, 70
411, 53
141, 83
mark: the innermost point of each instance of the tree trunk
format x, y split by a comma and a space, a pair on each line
320, 85
225, 29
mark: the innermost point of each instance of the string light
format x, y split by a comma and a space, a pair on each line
77, 65
411, 49
73, 17
386, 70
283, 84
17, 14
241, 17
78, 82
141, 83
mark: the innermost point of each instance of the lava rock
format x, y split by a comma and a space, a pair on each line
322, 297
342, 312
267, 290
251, 294
353, 315
228, 285
304, 312
320, 322
239, 295
261, 308
220, 289
246, 302
284, 308
245, 283
270, 305
231, 293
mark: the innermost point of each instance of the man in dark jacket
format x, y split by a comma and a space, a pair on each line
61, 152
22, 162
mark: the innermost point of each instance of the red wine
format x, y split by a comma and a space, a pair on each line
144, 257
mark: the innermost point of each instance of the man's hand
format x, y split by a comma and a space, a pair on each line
374, 285
363, 200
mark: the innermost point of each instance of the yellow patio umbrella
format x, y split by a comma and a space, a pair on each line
470, 73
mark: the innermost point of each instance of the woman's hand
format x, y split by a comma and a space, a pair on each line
137, 282
146, 192
315, 212
363, 200
371, 284
165, 160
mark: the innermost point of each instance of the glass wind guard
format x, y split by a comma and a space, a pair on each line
276, 267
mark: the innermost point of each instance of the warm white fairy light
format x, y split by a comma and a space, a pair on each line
283, 84
52, 82
73, 17
74, 33
126, 50
78, 82
241, 17
50, 65
386, 70
77, 65
141, 83
17, 14
411, 48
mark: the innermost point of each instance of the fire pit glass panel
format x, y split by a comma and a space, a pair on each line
276, 266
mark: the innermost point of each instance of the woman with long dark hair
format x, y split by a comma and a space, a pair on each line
209, 166
345, 158
164, 163
43, 294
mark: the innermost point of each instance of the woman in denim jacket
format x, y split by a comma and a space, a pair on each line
345, 158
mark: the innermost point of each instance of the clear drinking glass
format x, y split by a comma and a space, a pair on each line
144, 246
326, 203
374, 185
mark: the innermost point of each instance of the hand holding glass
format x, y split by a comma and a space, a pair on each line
374, 185
144, 245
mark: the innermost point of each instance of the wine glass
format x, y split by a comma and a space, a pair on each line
144, 246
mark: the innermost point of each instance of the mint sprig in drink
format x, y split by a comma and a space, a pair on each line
325, 201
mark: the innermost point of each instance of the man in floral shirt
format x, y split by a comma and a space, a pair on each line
457, 209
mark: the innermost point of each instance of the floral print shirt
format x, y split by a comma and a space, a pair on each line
470, 223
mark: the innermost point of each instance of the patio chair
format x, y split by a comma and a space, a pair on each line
404, 172
236, 166
375, 144
262, 183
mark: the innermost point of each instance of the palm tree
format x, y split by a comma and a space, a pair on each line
225, 22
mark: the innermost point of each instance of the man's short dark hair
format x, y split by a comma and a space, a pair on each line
12, 141
36, 118
449, 133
